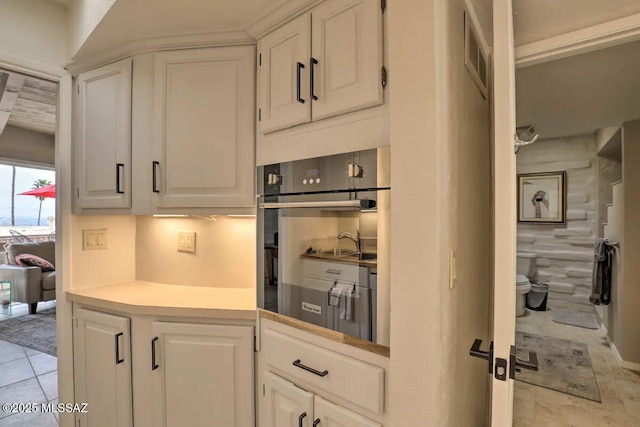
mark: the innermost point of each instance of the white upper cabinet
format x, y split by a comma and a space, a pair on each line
284, 75
347, 56
203, 136
324, 63
103, 137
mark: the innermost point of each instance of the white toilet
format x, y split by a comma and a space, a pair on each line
525, 270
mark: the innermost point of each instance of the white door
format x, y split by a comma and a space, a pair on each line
203, 154
346, 64
283, 404
206, 374
327, 414
102, 368
283, 76
504, 195
103, 156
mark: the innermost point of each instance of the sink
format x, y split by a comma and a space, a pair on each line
368, 256
345, 253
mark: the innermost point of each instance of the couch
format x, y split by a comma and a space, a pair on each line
30, 284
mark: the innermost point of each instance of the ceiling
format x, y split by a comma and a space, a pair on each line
582, 93
27, 102
133, 20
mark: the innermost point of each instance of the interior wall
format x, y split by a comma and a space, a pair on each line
609, 172
35, 30
26, 146
630, 249
225, 251
115, 264
565, 252
469, 136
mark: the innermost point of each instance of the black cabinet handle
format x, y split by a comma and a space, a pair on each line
314, 61
155, 165
297, 364
118, 360
299, 67
118, 166
316, 422
154, 365
300, 418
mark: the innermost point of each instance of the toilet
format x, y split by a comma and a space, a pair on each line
525, 270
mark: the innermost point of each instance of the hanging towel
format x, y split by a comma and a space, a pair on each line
334, 294
601, 277
346, 310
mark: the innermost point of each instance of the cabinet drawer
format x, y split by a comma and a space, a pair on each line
331, 270
353, 380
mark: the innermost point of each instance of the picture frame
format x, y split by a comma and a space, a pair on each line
542, 198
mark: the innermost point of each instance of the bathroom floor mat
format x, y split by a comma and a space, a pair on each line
576, 318
564, 365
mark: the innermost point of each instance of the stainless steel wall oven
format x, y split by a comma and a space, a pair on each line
320, 238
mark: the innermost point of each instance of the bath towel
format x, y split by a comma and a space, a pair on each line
601, 277
347, 308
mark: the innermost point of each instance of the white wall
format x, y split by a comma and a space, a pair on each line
225, 252
84, 16
565, 252
27, 146
35, 30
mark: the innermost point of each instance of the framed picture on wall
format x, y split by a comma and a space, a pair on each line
542, 198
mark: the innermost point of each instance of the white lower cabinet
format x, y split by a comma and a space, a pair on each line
148, 372
285, 405
102, 368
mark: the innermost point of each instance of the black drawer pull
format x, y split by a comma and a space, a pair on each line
300, 418
118, 360
316, 422
299, 67
312, 85
155, 165
118, 166
154, 365
297, 364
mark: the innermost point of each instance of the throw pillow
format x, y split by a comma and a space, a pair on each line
28, 260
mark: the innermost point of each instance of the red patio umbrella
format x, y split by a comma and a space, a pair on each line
46, 191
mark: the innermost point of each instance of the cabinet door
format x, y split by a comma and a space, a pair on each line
207, 375
283, 74
204, 128
283, 404
331, 415
347, 45
103, 144
102, 367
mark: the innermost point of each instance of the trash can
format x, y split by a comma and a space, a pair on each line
537, 296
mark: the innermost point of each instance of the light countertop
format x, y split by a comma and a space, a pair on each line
149, 298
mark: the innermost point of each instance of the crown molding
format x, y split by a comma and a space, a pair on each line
31, 67
188, 41
279, 16
607, 34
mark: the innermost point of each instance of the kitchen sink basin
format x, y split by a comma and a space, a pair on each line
345, 253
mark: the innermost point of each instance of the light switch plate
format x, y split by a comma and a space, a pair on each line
94, 239
186, 241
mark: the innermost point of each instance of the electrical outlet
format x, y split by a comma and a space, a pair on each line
187, 241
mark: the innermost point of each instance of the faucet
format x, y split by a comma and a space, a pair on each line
356, 238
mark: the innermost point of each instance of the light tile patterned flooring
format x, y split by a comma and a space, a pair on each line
619, 388
27, 376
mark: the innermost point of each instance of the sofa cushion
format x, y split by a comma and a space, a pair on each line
46, 250
49, 280
30, 260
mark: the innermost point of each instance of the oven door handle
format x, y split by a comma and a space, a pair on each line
358, 204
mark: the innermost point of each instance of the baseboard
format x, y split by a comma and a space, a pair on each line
626, 365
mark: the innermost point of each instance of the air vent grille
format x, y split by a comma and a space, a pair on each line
475, 58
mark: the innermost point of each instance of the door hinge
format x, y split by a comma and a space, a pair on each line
259, 114
383, 5
384, 77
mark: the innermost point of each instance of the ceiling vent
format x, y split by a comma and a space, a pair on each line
475, 58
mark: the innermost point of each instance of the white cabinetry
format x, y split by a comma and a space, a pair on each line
103, 136
183, 373
203, 154
324, 63
206, 374
102, 368
308, 380
193, 139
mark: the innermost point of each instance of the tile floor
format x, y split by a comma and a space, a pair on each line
27, 376
619, 388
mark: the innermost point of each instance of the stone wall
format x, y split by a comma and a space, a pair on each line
564, 251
